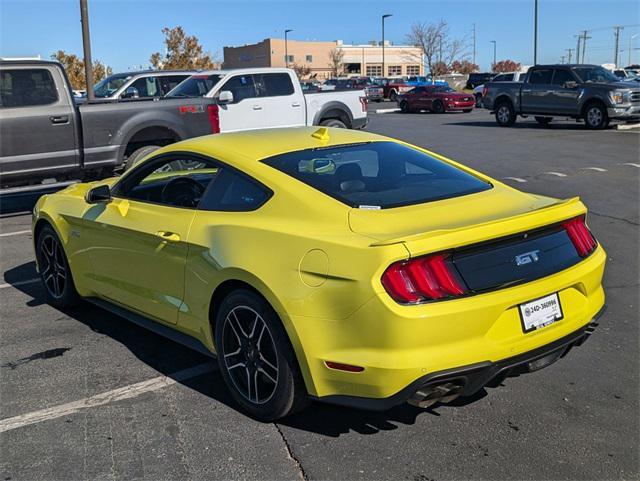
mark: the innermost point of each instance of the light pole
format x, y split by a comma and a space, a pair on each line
386, 15
86, 44
494, 54
535, 34
630, 45
286, 48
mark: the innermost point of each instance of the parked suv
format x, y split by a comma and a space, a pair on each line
135, 85
587, 92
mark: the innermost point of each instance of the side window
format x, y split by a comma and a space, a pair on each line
498, 78
234, 192
560, 77
27, 88
541, 76
168, 82
146, 87
178, 181
241, 86
273, 84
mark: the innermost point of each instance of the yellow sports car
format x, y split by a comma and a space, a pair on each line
328, 264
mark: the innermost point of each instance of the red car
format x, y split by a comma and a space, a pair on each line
436, 98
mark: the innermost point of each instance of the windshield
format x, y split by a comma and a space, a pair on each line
377, 174
195, 86
595, 74
110, 85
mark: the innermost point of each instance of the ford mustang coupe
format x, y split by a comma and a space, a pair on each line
328, 264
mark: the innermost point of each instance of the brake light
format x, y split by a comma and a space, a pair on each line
422, 279
485, 90
579, 234
214, 118
363, 102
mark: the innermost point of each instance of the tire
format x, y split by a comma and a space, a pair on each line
437, 107
55, 273
256, 358
595, 116
478, 100
466, 111
543, 120
505, 114
335, 123
404, 107
393, 96
138, 154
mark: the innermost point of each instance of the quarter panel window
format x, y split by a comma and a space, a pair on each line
27, 88
541, 76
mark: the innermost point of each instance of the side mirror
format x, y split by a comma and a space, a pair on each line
98, 194
570, 84
131, 93
225, 97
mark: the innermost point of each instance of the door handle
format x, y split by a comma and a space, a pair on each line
295, 104
168, 236
257, 107
59, 119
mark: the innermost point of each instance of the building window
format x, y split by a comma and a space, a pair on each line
351, 68
413, 69
288, 58
395, 70
374, 70
309, 58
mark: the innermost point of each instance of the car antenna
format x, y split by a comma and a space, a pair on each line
321, 134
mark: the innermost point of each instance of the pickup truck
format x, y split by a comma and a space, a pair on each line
46, 136
503, 77
586, 92
259, 98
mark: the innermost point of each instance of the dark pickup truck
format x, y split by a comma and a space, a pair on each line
585, 92
46, 135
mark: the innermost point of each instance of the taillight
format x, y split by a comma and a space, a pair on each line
485, 90
214, 118
579, 234
423, 279
363, 102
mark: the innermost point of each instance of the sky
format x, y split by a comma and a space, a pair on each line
125, 33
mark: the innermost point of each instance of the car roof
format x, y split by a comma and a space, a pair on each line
244, 70
255, 145
155, 72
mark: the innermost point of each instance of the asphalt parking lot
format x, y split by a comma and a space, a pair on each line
84, 394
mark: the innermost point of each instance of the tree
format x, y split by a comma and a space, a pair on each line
436, 45
439, 68
182, 52
506, 66
74, 66
335, 61
464, 67
301, 70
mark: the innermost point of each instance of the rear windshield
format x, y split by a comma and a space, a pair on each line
195, 86
377, 174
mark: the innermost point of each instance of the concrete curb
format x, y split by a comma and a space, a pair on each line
628, 126
386, 111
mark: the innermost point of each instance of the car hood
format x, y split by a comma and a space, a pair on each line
462, 220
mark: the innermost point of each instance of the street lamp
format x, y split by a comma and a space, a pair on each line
386, 15
535, 34
630, 45
494, 53
86, 45
286, 48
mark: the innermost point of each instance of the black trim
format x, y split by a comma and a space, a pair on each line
473, 376
359, 123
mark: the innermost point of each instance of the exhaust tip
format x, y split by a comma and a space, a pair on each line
430, 395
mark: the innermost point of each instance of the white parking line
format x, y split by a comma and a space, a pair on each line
597, 169
631, 164
386, 111
119, 394
19, 232
517, 179
19, 283
557, 174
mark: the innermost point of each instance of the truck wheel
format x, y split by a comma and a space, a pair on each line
543, 120
478, 100
595, 116
438, 107
404, 107
505, 114
138, 154
335, 123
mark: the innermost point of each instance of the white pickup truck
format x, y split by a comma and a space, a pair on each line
259, 98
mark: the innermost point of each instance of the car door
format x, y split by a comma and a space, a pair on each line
138, 240
535, 96
427, 97
37, 123
247, 109
565, 92
282, 105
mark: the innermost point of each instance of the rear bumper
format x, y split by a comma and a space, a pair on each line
476, 376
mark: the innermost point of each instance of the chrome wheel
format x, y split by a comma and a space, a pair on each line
504, 114
249, 354
594, 116
53, 266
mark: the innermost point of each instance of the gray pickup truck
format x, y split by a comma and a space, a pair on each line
46, 135
585, 92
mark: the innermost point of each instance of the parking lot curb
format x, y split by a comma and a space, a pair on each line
386, 111
628, 126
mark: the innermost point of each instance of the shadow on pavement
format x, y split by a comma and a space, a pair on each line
168, 357
525, 124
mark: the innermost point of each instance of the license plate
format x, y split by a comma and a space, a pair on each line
540, 313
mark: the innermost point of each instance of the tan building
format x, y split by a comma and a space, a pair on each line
358, 60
